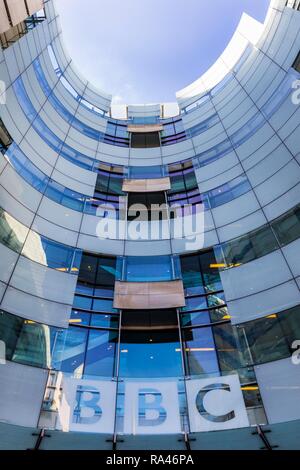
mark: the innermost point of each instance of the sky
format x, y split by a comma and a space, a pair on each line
143, 51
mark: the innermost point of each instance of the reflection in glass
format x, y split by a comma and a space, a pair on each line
150, 268
199, 351
100, 354
12, 232
150, 344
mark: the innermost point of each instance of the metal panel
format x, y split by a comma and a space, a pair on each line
17, 11
279, 384
57, 440
4, 21
148, 295
34, 5
17, 437
145, 128
21, 393
146, 185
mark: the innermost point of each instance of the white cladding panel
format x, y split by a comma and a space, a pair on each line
279, 385
21, 393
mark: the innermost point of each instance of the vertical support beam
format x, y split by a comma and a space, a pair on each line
262, 434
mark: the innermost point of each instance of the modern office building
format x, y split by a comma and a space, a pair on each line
125, 334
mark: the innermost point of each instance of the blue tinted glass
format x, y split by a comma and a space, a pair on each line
103, 305
148, 268
243, 134
84, 303
243, 58
210, 272
79, 318
53, 60
140, 172
104, 320
214, 153
69, 352
24, 100
197, 318
69, 87
76, 157
26, 169
191, 107
195, 303
145, 119
216, 300
41, 77
240, 186
41, 182
221, 84
47, 135
100, 354
84, 289
57, 256
200, 352
280, 94
94, 109
62, 110
204, 317
104, 291
178, 127
73, 200
203, 126
150, 359
121, 131
76, 261
111, 129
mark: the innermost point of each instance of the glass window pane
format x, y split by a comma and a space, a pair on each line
69, 352
230, 355
88, 269
195, 303
265, 338
84, 289
200, 352
100, 355
264, 242
219, 314
103, 305
238, 251
195, 318
204, 317
33, 345
85, 303
106, 271
290, 324
150, 354
210, 272
105, 320
191, 275
287, 228
57, 256
104, 291
216, 300
12, 232
79, 318
148, 268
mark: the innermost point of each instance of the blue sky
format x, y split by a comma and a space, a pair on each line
143, 51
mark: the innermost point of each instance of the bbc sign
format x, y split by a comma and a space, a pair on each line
152, 407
